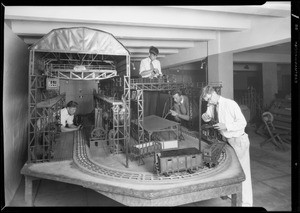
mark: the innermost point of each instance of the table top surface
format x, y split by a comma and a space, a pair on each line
154, 123
109, 174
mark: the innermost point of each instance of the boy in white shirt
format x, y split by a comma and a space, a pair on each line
150, 66
67, 117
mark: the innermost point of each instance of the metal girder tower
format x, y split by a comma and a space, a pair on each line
121, 131
48, 123
32, 128
141, 85
43, 115
75, 53
126, 100
140, 121
116, 133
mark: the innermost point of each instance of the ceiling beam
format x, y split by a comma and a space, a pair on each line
147, 16
278, 31
145, 56
38, 28
157, 43
268, 9
196, 53
146, 50
131, 43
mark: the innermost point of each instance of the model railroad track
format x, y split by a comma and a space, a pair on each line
82, 160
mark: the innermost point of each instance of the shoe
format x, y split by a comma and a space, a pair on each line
225, 197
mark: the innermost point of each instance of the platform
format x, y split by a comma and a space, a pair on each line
138, 185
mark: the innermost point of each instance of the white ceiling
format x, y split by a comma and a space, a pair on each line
170, 28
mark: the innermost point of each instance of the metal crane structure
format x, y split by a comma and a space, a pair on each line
84, 54
71, 54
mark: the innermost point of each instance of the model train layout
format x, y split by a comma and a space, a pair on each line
118, 139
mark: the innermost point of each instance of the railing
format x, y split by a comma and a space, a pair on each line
81, 72
79, 68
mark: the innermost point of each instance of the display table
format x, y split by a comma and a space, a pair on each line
156, 124
134, 186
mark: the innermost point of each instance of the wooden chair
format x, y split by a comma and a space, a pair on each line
273, 133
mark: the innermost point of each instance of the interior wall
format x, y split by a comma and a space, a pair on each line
80, 91
283, 70
270, 85
186, 76
220, 69
15, 110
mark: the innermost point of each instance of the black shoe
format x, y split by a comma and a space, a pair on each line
225, 197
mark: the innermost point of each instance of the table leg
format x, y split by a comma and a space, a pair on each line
28, 190
236, 199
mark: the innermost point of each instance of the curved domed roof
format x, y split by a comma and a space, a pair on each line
80, 40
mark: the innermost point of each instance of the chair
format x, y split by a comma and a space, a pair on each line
274, 134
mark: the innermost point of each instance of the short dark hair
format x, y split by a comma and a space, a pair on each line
177, 91
72, 104
153, 50
207, 90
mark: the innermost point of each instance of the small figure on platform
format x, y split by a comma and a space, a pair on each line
67, 117
150, 66
231, 123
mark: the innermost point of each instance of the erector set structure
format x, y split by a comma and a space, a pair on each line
86, 54
70, 54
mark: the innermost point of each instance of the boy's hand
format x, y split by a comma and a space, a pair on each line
173, 113
220, 126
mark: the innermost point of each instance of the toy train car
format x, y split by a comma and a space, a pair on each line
169, 161
190, 160
142, 150
212, 154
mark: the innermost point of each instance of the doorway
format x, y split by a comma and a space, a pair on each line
246, 77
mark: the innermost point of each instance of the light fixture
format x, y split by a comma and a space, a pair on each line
133, 67
202, 64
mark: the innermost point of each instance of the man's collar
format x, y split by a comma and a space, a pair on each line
150, 58
220, 99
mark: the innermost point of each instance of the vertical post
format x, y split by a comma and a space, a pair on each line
29, 108
32, 101
200, 123
28, 190
126, 101
236, 199
140, 104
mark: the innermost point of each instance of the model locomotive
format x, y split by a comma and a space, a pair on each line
211, 135
212, 154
